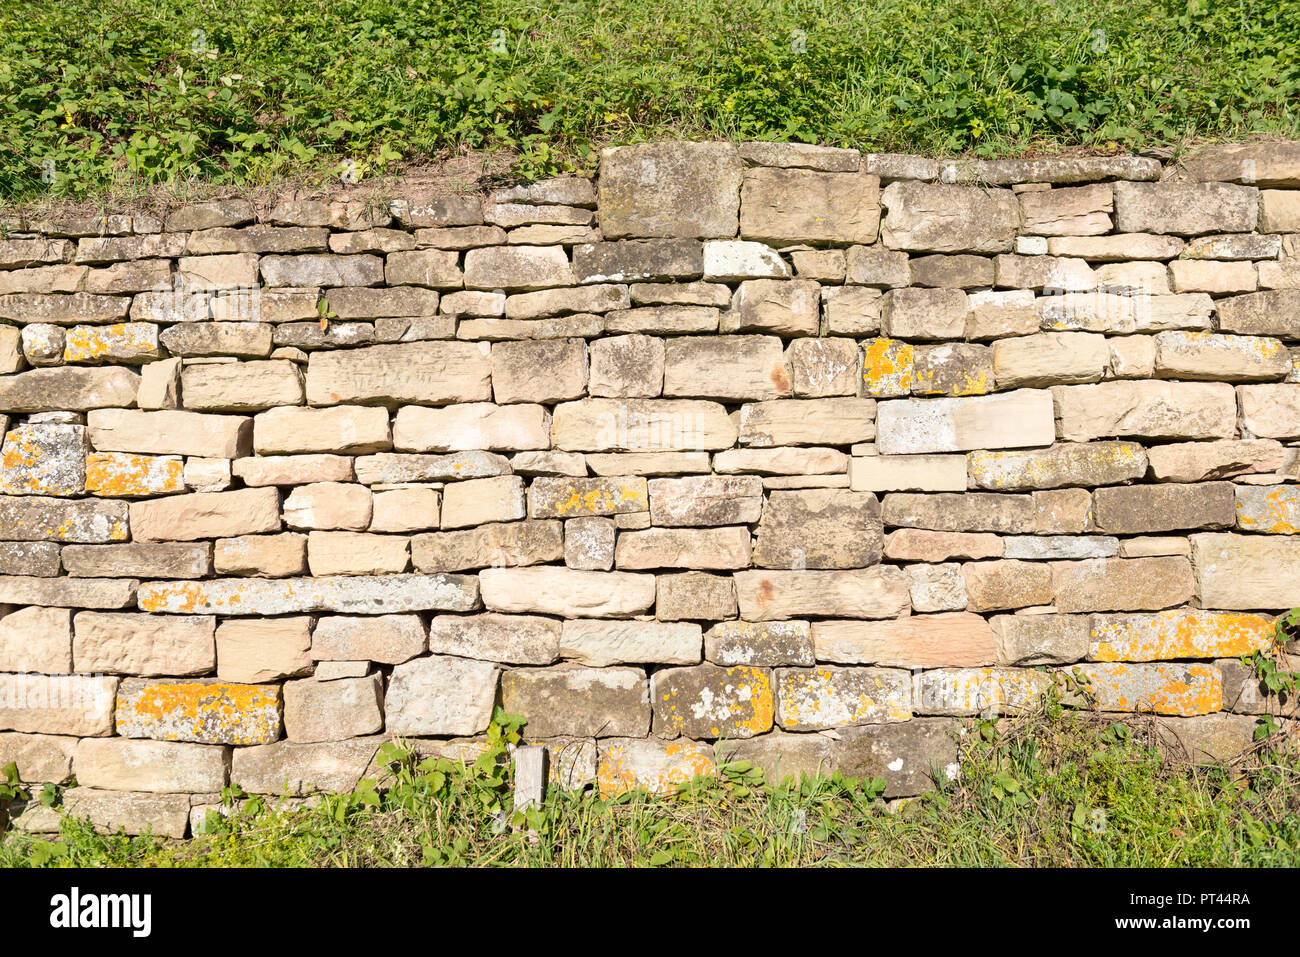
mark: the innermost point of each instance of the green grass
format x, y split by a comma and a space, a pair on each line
1056, 788
95, 94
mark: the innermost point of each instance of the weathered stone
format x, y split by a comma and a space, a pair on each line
44, 459
135, 644
997, 585
1152, 410
206, 515
728, 368
67, 592
705, 500
1011, 420
598, 644
732, 261
1121, 584
250, 340
819, 528
1176, 689
346, 429
1185, 209
431, 373
72, 389
589, 543
924, 313
567, 592
694, 596
29, 558
259, 650
919, 641
1064, 511
784, 206
328, 505
36, 518
1081, 211
925, 217
935, 588
333, 710
291, 768
572, 700
322, 270
952, 369
514, 639
1051, 358
242, 386
1029, 640
880, 592
951, 512
689, 190
893, 473
761, 644
293, 470
638, 425
36, 639
957, 691
356, 553
1124, 312
79, 705
404, 510
204, 711
800, 156
1272, 510
169, 432
814, 699
1206, 355
546, 371
510, 543
127, 475
952, 272
831, 421
370, 595
794, 461
1258, 164
993, 315
1184, 633
777, 306
124, 764
1162, 508
702, 548
441, 695
851, 310
1270, 313
627, 366
1087, 464
476, 501
1047, 547
1051, 275
1269, 411
653, 765
908, 544
708, 701
434, 268
269, 556
39, 758
472, 426
1246, 571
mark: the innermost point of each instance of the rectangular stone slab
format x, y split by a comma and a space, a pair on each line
362, 595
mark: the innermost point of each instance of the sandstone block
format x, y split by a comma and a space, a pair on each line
598, 644
1087, 464
1077, 211
880, 592
32, 518
328, 505
135, 644
952, 512
1164, 508
819, 528
546, 371
1151, 410
722, 548
404, 510
1175, 689
952, 369
441, 695
432, 373
729, 368
1185, 209
708, 701
695, 596
206, 515
998, 585
343, 429
204, 711
242, 386
567, 592
1051, 358
169, 432
269, 556
1010, 420
965, 691
36, 639
300, 769
515, 639
824, 697
1183, 633
71, 389
123, 764
1246, 571
39, 758
572, 700
641, 425
831, 421
760, 644
369, 595
785, 206
917, 641
496, 545
627, 366
259, 650
924, 313
44, 459
356, 553
1029, 640
650, 764
333, 710
1122, 584
689, 190
79, 705
705, 500
1269, 411
928, 217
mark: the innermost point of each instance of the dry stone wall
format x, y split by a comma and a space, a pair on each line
809, 452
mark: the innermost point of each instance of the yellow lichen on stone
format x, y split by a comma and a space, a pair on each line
205, 712
887, 367
125, 474
1178, 634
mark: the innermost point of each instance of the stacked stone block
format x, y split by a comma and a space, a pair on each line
797, 455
